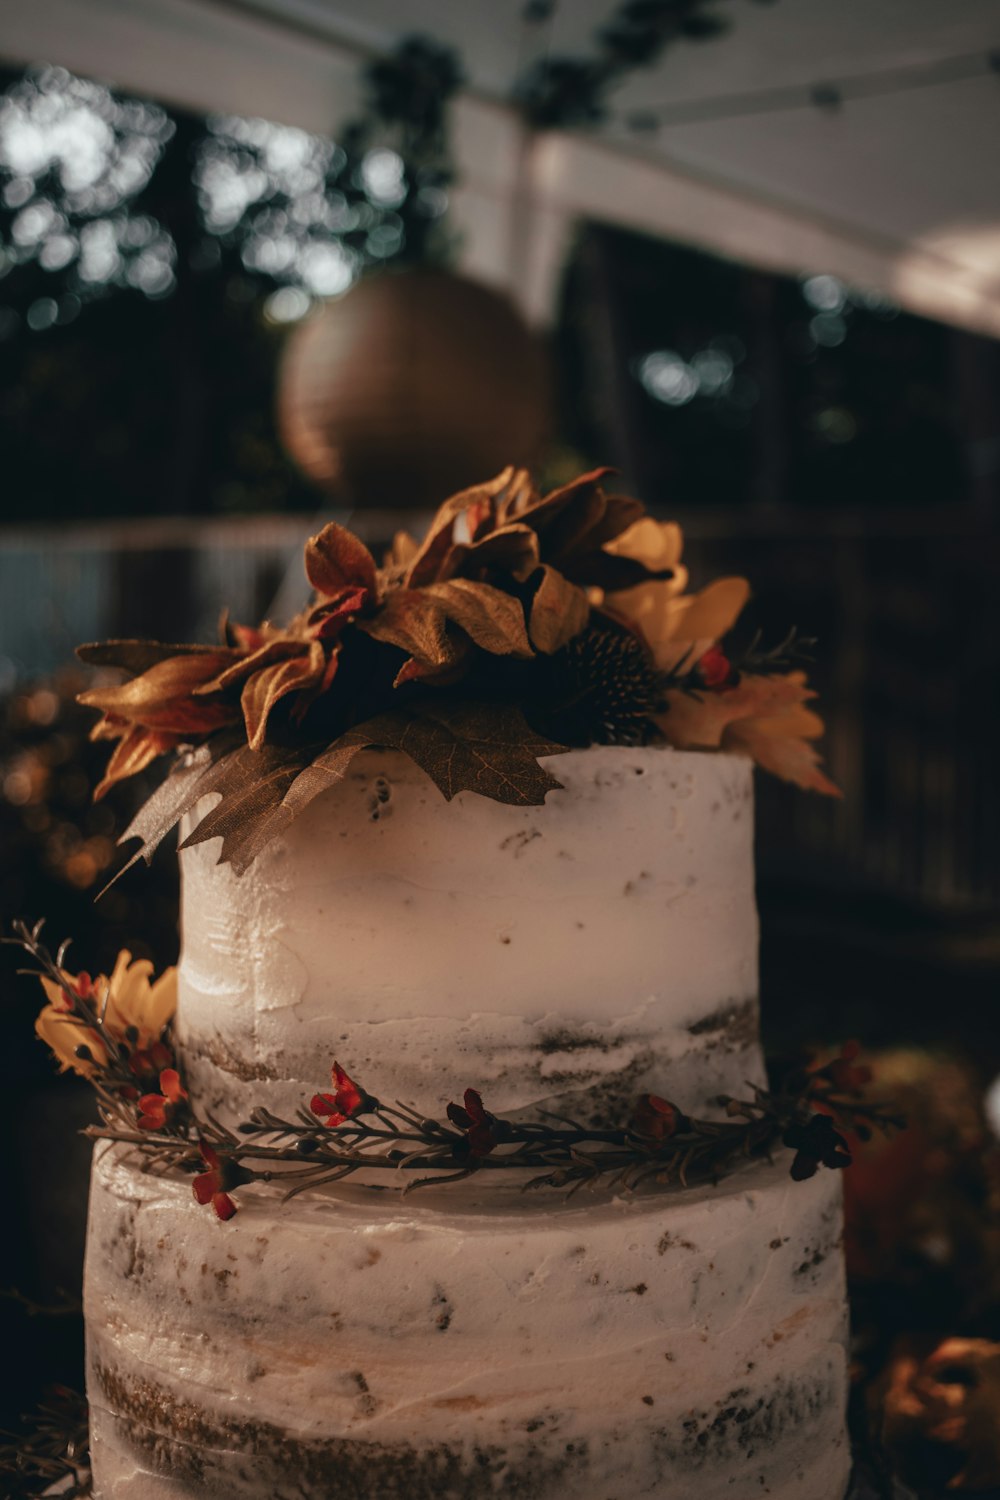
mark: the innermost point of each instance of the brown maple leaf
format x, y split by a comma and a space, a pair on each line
478, 747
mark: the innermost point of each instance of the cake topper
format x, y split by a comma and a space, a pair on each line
522, 625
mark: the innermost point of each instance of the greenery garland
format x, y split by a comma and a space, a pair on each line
349, 1130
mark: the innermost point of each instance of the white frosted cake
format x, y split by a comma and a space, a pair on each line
472, 1341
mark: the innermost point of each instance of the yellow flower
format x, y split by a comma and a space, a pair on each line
131, 1001
678, 628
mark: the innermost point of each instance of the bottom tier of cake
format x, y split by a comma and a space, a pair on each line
363, 1346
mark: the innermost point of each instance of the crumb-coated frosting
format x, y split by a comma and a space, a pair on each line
671, 1345
470, 1341
580, 952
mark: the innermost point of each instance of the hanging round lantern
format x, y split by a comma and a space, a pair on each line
415, 384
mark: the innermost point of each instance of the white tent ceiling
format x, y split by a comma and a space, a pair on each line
899, 191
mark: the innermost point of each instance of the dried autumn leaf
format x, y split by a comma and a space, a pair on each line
443, 675
264, 689
492, 619
699, 721
327, 619
510, 549
278, 648
135, 657
336, 559
621, 512
680, 629
402, 550
485, 748
187, 782
657, 544
252, 784
476, 502
411, 620
517, 495
710, 614
482, 747
575, 523
559, 611
567, 517
162, 698
780, 744
523, 502
137, 748
763, 717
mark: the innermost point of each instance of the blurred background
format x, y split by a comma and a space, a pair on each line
269, 261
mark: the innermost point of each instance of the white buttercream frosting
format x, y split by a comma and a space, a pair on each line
605, 942
667, 1345
680, 1345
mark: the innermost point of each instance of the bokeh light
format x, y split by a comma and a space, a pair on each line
72, 159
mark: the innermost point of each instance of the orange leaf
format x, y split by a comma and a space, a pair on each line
657, 544
491, 618
699, 722
415, 622
162, 697
426, 564
559, 611
336, 559
542, 509
267, 687
132, 754
713, 612
453, 670
763, 717
109, 727
308, 696
403, 550
514, 549
679, 630
781, 752
279, 648
518, 494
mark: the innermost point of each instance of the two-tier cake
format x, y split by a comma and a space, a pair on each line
582, 935
476, 1341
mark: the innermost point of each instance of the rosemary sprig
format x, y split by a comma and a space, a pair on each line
794, 650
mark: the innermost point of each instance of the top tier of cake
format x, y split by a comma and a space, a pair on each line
568, 956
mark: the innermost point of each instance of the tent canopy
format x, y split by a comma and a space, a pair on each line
896, 190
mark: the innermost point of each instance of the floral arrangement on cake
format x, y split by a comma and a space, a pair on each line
115, 1031
521, 626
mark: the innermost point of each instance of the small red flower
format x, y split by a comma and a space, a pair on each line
657, 1118
81, 985
221, 1176
147, 1062
845, 1073
716, 670
156, 1110
347, 1101
483, 1131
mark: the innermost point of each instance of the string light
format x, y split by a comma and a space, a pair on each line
827, 95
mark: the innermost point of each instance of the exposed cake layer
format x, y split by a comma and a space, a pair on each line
367, 1346
580, 952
